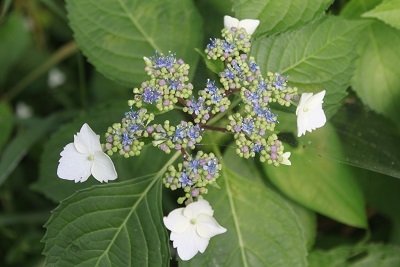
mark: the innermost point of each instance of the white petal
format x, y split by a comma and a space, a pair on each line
316, 119
208, 227
301, 123
250, 25
303, 100
73, 165
86, 141
316, 100
199, 207
230, 22
176, 221
189, 243
103, 168
286, 160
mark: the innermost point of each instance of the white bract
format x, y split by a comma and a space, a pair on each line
192, 228
84, 157
250, 25
285, 158
310, 114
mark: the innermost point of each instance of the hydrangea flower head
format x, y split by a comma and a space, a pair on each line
84, 157
310, 114
250, 25
192, 228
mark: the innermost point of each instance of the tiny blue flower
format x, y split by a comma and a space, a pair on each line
211, 166
180, 133
150, 95
185, 180
194, 165
253, 67
227, 47
229, 74
126, 140
258, 148
280, 82
194, 132
174, 85
247, 126
213, 44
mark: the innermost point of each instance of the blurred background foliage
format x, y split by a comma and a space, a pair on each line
46, 82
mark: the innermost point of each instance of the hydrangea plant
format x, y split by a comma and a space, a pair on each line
241, 99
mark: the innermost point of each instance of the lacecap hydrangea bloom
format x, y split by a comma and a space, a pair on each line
310, 114
192, 228
84, 157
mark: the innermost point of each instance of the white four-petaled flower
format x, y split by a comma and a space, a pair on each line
250, 25
310, 114
84, 157
192, 227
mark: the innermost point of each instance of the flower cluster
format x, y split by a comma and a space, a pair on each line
253, 126
167, 85
193, 175
126, 137
242, 94
167, 137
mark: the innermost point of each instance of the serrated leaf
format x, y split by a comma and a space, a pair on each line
279, 16
354, 9
115, 35
319, 183
6, 123
369, 140
99, 119
388, 12
371, 255
116, 224
14, 40
20, 145
318, 56
376, 79
262, 229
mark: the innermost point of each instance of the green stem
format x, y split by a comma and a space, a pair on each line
62, 53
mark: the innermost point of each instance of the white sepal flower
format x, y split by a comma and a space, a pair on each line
84, 157
192, 228
310, 114
285, 158
250, 25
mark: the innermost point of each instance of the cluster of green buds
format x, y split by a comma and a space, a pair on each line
168, 83
193, 175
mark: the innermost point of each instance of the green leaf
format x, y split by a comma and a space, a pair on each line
216, 66
316, 57
371, 255
116, 224
354, 9
377, 76
318, 182
14, 40
98, 119
388, 12
20, 145
279, 16
6, 123
262, 229
5, 6
369, 140
115, 35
